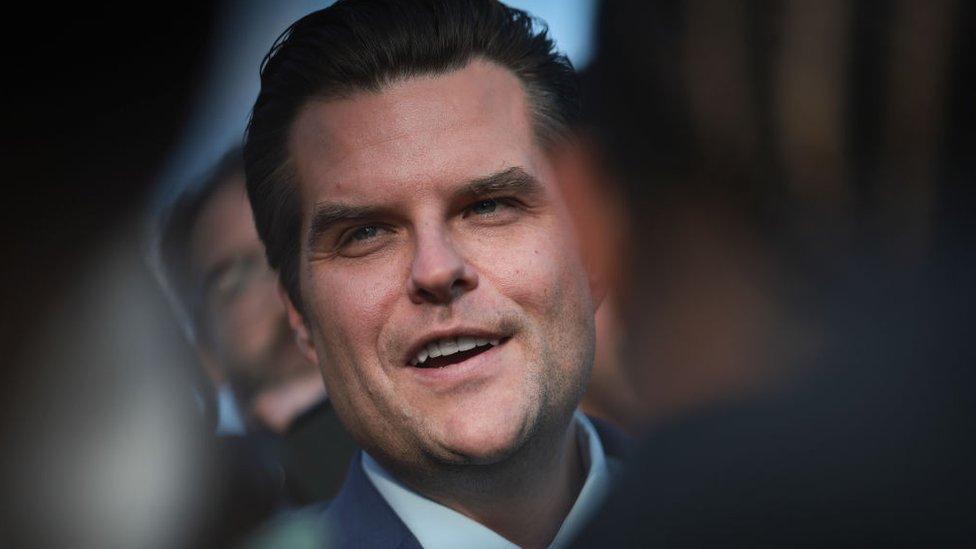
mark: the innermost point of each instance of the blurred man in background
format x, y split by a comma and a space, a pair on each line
791, 243
214, 267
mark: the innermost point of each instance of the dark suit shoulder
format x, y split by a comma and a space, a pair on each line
360, 517
357, 517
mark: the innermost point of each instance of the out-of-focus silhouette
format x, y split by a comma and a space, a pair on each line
610, 393
213, 265
101, 440
781, 194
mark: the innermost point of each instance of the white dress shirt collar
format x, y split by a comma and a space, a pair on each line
436, 526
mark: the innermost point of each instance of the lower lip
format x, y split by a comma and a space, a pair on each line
474, 369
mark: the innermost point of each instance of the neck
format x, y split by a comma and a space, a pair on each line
525, 499
277, 407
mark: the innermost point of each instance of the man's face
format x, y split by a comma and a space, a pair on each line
247, 332
431, 218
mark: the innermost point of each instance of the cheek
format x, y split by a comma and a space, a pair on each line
352, 304
544, 276
539, 269
350, 308
243, 339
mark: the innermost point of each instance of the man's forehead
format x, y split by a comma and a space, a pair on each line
455, 125
225, 225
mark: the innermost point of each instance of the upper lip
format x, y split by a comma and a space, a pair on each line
430, 337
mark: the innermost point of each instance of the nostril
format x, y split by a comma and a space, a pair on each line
439, 273
428, 295
461, 286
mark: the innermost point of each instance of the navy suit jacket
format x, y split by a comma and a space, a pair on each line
360, 517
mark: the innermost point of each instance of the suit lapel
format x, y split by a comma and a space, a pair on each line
360, 517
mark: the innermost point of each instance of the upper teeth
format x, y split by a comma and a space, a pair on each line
449, 346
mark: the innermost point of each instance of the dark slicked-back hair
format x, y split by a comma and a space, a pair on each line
367, 45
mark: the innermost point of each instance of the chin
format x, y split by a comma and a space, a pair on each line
485, 437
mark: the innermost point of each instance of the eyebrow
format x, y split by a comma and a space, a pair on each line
512, 180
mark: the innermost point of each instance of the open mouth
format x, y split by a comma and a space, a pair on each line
448, 351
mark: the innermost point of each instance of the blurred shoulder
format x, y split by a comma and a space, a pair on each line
301, 528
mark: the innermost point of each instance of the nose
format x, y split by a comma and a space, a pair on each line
439, 273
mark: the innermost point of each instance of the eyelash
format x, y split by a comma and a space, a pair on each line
503, 202
350, 236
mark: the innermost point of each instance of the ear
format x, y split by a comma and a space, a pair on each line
597, 212
299, 327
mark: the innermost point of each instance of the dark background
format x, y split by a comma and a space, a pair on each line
94, 98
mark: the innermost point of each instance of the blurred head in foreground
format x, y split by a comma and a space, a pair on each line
738, 172
216, 271
785, 246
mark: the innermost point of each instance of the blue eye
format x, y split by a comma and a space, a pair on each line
364, 239
484, 207
365, 233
